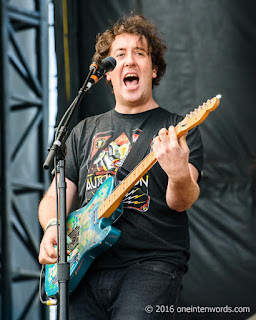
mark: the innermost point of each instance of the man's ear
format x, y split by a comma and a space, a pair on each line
154, 73
108, 77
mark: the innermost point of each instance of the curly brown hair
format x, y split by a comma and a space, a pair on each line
134, 24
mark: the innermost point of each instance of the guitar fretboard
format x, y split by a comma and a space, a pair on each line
113, 201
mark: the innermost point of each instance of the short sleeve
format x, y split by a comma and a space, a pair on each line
195, 145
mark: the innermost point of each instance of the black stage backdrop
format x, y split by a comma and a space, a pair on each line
211, 50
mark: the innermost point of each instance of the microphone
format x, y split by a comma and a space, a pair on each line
108, 64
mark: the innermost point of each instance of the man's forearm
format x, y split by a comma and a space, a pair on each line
181, 196
47, 207
47, 210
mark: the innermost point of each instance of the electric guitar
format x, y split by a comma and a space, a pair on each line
89, 229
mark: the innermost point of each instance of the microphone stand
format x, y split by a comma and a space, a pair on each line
57, 151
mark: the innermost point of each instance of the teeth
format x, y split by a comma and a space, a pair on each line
131, 75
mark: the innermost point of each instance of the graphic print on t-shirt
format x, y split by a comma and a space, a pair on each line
106, 158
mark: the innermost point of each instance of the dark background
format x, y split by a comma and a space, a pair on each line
211, 50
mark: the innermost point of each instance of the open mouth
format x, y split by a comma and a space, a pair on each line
131, 80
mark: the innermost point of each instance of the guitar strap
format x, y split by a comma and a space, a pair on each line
150, 126
115, 135
139, 149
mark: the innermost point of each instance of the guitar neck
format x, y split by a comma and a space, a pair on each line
113, 201
193, 119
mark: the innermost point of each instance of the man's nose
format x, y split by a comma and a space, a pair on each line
130, 61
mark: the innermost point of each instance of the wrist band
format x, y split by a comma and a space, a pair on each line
52, 222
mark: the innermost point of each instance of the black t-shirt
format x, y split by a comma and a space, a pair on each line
96, 147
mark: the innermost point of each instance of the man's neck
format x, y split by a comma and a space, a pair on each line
132, 108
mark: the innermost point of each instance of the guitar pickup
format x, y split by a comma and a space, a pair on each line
73, 238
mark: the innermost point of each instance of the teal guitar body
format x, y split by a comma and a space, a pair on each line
87, 237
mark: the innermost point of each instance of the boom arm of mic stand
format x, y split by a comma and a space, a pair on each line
63, 131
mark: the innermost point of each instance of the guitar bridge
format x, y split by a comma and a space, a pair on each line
74, 236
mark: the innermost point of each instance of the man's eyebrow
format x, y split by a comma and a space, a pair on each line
136, 48
140, 48
119, 49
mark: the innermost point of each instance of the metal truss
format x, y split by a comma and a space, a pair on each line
23, 125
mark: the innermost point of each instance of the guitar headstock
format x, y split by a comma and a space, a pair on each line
194, 118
